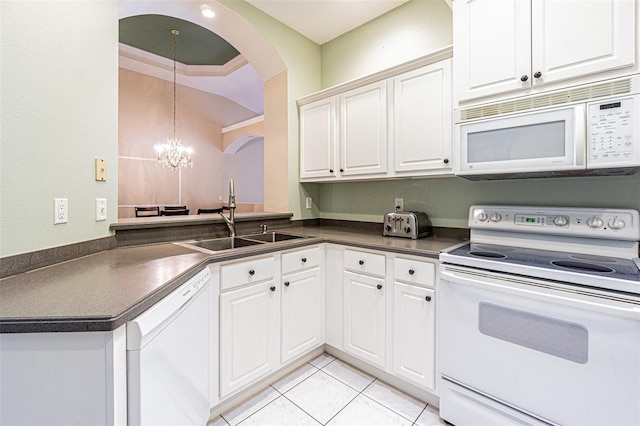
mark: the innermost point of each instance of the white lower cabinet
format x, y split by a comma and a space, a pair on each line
414, 328
365, 306
249, 324
302, 302
414, 316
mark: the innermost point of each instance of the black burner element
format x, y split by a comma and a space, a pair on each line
487, 254
581, 266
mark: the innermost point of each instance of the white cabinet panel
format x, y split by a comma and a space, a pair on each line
600, 37
317, 139
423, 119
246, 272
365, 263
492, 40
299, 260
302, 313
334, 296
416, 272
364, 317
363, 130
63, 378
414, 334
249, 335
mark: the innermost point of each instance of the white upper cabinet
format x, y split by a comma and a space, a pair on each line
363, 130
395, 123
422, 120
517, 47
317, 139
571, 38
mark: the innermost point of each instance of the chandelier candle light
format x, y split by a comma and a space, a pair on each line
173, 154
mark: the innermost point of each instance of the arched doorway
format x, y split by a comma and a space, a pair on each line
266, 61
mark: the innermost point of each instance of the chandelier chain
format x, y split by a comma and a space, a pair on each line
173, 154
175, 34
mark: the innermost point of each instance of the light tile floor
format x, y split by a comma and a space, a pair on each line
327, 391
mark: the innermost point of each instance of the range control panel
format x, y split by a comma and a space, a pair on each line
619, 224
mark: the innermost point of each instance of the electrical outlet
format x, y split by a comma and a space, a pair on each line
308, 202
399, 205
60, 210
101, 209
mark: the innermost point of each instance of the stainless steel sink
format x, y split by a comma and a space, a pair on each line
219, 244
228, 243
272, 237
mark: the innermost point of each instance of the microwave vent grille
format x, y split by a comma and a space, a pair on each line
577, 94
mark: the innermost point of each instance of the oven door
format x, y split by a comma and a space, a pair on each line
564, 356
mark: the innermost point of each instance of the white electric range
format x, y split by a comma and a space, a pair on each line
539, 318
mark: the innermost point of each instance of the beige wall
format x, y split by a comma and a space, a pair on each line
145, 118
231, 136
275, 145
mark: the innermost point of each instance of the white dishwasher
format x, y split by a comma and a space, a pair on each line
168, 358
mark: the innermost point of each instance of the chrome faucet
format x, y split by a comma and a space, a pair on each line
231, 221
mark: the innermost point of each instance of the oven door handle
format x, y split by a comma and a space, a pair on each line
483, 281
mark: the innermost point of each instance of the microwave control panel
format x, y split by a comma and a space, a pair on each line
612, 132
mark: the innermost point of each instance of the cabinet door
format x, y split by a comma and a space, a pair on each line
249, 335
422, 119
575, 38
317, 139
302, 313
414, 334
363, 130
364, 317
492, 40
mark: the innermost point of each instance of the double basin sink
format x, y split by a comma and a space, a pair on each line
221, 244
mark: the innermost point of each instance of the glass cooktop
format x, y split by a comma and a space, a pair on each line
577, 268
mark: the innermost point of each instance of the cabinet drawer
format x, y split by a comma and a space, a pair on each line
364, 263
415, 272
301, 259
250, 271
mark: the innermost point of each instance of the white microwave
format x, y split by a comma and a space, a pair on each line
583, 138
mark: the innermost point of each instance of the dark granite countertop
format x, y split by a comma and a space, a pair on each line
102, 291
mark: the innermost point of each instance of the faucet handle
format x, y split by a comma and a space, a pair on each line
264, 228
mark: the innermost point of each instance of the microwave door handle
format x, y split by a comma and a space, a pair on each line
628, 311
580, 135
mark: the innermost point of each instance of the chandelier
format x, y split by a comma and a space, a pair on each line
173, 154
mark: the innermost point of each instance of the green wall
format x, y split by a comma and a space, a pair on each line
58, 111
447, 200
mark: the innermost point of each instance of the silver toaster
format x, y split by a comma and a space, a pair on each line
406, 224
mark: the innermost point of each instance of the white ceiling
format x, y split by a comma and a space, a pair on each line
324, 20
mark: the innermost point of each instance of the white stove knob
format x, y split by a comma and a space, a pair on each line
495, 217
595, 222
481, 216
616, 223
561, 221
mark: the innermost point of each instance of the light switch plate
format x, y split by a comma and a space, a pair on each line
101, 209
308, 202
101, 170
60, 210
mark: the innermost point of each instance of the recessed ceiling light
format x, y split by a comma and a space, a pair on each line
207, 12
